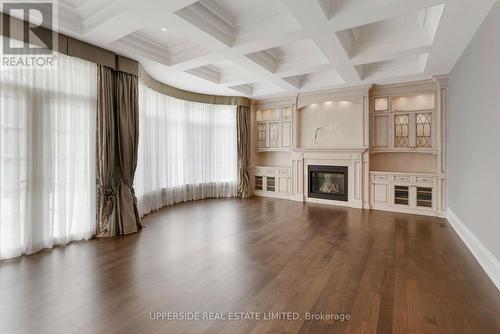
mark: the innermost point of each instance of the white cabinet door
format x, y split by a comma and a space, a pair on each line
380, 131
286, 134
380, 193
274, 135
284, 185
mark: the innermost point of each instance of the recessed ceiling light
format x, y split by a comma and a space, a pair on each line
163, 29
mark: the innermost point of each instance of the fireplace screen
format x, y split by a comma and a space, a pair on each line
328, 182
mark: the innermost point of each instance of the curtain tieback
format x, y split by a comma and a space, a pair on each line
109, 195
132, 190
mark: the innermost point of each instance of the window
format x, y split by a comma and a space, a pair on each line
47, 155
187, 150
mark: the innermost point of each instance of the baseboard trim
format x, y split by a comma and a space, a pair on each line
487, 261
423, 212
271, 195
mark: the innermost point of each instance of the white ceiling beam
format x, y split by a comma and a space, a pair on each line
376, 57
311, 17
307, 70
106, 21
195, 62
218, 47
269, 40
358, 17
123, 17
239, 82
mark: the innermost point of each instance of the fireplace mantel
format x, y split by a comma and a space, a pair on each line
330, 149
354, 158
353, 152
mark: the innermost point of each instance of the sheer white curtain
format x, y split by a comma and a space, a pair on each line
47, 156
187, 151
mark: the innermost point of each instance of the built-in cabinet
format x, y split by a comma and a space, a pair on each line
274, 129
272, 181
405, 192
404, 123
406, 127
390, 135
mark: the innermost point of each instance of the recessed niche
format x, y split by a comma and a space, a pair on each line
412, 103
272, 159
331, 123
267, 115
408, 162
382, 103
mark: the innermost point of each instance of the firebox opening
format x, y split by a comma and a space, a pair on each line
328, 182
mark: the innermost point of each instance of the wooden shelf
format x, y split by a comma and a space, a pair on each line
412, 111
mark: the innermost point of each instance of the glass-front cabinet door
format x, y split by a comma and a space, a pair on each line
413, 131
412, 121
402, 131
259, 185
270, 184
402, 195
424, 197
423, 130
261, 135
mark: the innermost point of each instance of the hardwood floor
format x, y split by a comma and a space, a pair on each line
392, 273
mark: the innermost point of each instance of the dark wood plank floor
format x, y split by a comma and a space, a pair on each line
393, 273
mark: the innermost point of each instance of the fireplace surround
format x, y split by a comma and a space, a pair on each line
328, 182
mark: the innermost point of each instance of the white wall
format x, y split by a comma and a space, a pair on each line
473, 135
341, 123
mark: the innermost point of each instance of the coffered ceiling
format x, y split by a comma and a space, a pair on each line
265, 48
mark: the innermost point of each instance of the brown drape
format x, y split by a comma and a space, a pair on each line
243, 129
117, 143
127, 120
105, 148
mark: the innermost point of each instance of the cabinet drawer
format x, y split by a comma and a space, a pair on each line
283, 172
425, 179
380, 178
260, 171
402, 178
270, 171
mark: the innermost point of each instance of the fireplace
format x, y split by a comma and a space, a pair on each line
328, 182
